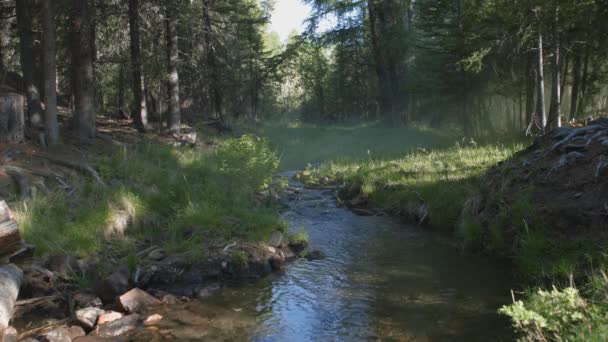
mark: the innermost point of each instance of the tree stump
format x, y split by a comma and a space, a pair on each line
11, 242
12, 117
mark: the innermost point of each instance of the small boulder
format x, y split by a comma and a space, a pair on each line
117, 327
277, 262
63, 334
271, 249
136, 300
109, 316
11, 335
88, 316
153, 319
276, 238
99, 339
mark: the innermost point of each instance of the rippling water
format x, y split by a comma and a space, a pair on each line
380, 280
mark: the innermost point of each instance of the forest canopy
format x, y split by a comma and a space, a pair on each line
480, 66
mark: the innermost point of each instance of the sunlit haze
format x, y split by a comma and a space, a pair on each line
289, 15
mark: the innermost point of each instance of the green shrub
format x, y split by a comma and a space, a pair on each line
558, 315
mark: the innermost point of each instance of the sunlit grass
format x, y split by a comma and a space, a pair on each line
182, 199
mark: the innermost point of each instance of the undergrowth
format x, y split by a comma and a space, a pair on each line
183, 199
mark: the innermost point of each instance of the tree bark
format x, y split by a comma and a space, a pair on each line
140, 114
83, 74
28, 66
530, 87
380, 68
10, 282
554, 109
576, 80
50, 72
12, 121
174, 117
540, 87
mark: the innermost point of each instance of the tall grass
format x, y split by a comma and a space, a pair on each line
183, 199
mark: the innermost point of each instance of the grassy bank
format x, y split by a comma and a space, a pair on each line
185, 200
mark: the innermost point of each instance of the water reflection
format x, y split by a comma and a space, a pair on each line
379, 281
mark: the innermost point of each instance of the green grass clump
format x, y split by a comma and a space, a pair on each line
442, 178
300, 236
183, 199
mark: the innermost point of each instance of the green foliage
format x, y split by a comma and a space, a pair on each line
248, 157
558, 315
239, 259
186, 199
300, 236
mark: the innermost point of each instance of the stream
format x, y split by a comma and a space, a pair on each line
380, 280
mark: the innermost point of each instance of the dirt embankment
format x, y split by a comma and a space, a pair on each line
558, 185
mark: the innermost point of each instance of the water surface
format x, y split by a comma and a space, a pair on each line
380, 280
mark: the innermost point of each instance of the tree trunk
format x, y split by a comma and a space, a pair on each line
584, 81
12, 109
381, 73
174, 120
28, 67
530, 87
140, 115
83, 74
554, 109
50, 72
540, 88
576, 79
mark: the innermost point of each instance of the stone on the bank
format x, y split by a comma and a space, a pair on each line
86, 300
117, 327
153, 319
88, 316
109, 316
136, 300
99, 339
10, 335
63, 334
276, 238
113, 285
271, 249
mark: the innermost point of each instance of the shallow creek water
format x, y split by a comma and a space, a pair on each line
380, 280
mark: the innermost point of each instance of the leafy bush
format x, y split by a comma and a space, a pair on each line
558, 315
248, 157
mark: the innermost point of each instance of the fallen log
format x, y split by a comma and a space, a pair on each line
10, 282
11, 242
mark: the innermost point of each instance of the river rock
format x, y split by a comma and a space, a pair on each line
117, 327
362, 212
153, 319
63, 334
99, 339
136, 300
109, 316
10, 335
88, 316
276, 238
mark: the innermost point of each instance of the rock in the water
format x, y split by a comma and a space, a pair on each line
153, 319
88, 316
63, 334
109, 316
99, 339
276, 238
277, 262
117, 327
113, 285
314, 255
85, 300
136, 300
